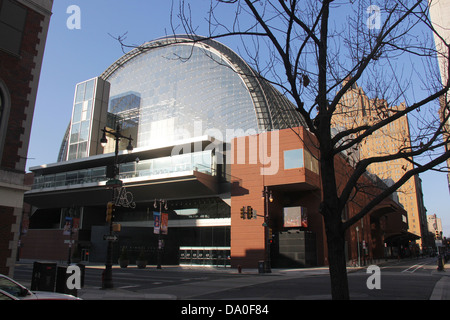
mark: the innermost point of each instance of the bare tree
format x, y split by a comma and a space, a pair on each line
315, 52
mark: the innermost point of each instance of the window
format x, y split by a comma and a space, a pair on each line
6, 296
11, 287
12, 24
293, 159
81, 120
5, 106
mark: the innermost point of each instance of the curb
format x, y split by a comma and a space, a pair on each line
120, 294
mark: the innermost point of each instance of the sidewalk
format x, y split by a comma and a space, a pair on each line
441, 290
120, 294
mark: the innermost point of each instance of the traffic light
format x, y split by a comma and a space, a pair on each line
109, 211
249, 212
243, 213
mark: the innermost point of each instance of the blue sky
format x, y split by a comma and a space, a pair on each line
72, 56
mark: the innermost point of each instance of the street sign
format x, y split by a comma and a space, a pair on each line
110, 238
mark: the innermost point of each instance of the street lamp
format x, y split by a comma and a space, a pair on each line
357, 241
159, 248
107, 282
71, 214
267, 197
117, 136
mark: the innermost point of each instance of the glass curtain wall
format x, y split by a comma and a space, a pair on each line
81, 120
184, 93
197, 161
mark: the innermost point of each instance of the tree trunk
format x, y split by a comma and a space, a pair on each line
335, 232
337, 263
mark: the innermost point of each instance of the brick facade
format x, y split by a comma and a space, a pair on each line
19, 76
54, 241
6, 236
298, 187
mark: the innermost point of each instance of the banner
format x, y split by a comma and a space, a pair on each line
71, 225
304, 218
67, 230
295, 217
156, 222
164, 223
161, 222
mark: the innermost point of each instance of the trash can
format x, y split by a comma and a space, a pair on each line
83, 270
61, 281
43, 276
261, 267
440, 263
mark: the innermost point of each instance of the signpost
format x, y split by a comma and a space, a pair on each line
160, 226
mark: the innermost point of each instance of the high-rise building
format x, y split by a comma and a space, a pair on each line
23, 32
435, 226
356, 109
439, 14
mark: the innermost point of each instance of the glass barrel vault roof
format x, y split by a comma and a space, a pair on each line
190, 86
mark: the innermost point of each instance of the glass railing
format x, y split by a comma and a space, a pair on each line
198, 161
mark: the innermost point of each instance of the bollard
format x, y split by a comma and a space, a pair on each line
440, 265
239, 269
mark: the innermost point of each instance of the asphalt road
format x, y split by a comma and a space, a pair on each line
403, 280
406, 280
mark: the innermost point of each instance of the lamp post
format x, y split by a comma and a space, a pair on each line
357, 241
159, 248
267, 197
69, 258
107, 281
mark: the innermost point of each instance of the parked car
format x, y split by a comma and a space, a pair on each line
9, 287
6, 296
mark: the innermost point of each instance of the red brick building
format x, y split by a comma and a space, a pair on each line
23, 32
290, 184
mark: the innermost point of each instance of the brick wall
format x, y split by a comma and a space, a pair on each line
53, 242
8, 218
19, 73
298, 187
293, 187
16, 72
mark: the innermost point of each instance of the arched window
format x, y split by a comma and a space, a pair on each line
2, 105
5, 105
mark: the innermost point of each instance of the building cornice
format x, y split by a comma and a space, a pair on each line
42, 6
